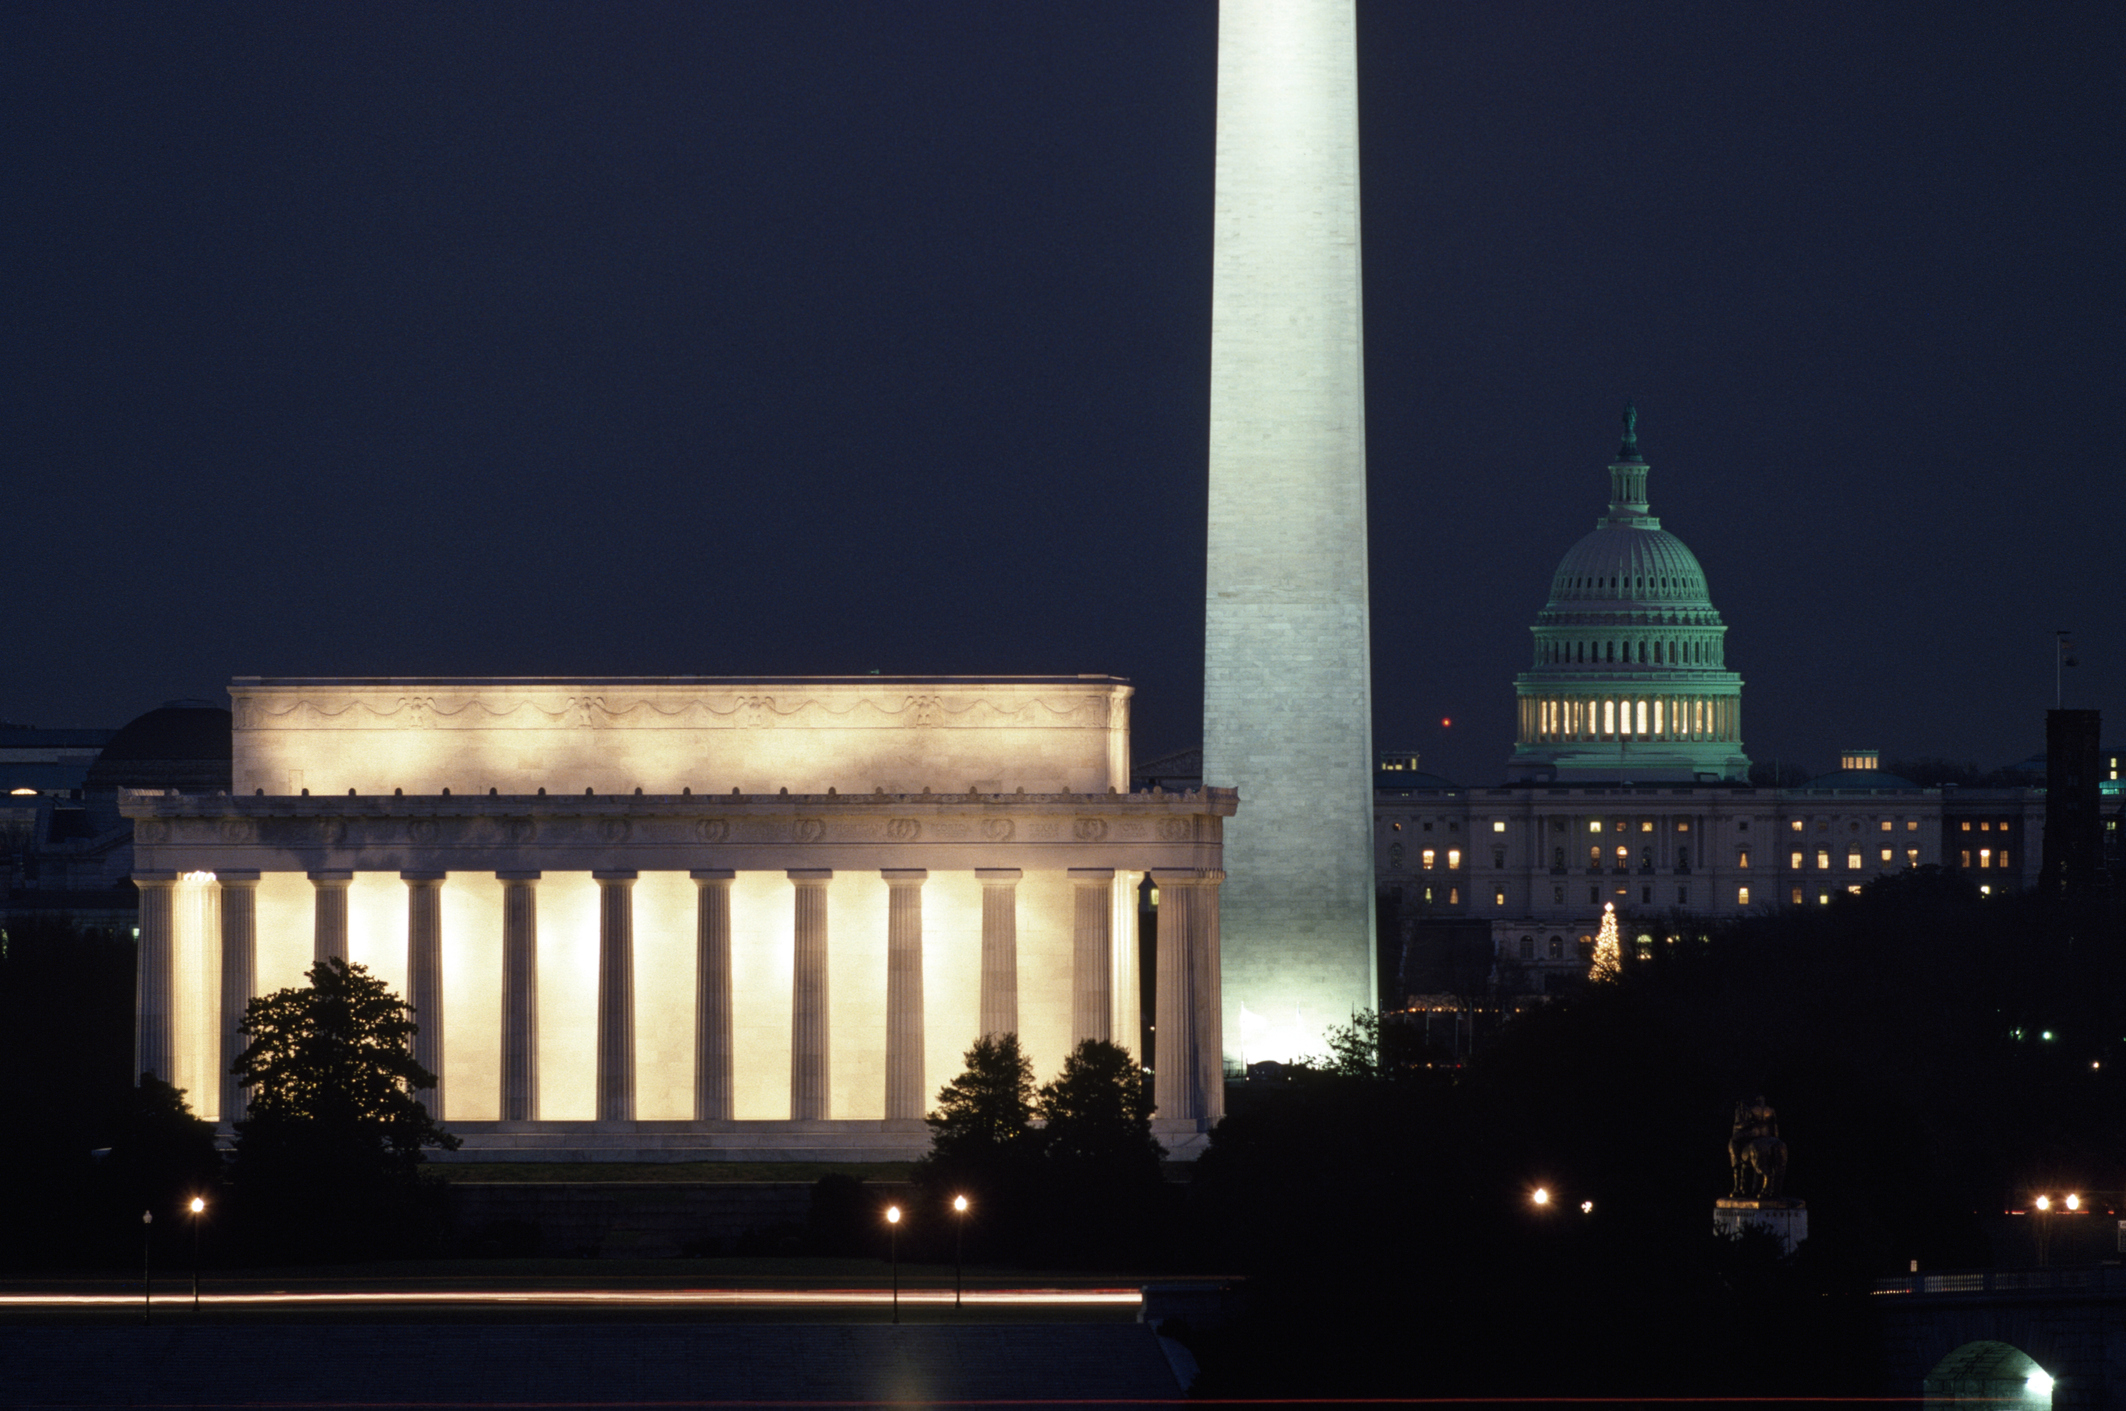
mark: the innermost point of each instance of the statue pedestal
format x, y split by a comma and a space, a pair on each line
1788, 1219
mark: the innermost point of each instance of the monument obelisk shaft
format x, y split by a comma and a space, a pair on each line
1287, 668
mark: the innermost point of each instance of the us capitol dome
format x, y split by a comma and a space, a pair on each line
1630, 682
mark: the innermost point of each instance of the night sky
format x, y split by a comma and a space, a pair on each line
791, 337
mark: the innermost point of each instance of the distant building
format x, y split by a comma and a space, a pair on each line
65, 852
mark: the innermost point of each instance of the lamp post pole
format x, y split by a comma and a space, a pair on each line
959, 1241
147, 1287
198, 1208
893, 1245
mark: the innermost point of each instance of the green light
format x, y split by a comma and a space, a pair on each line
2046, 1036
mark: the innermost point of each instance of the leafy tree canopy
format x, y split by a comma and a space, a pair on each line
987, 1110
328, 1067
1097, 1114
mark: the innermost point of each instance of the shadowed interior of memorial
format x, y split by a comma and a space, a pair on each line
771, 925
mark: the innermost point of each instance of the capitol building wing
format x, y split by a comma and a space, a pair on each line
689, 917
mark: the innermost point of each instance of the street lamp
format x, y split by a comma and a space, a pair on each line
147, 1287
198, 1208
1541, 1196
959, 1240
893, 1244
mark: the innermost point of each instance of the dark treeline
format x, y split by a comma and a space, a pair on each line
1383, 1209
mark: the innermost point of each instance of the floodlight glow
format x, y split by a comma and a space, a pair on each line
2039, 1381
893, 1215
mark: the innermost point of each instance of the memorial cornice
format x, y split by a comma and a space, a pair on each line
684, 832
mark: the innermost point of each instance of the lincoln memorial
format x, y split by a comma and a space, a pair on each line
689, 917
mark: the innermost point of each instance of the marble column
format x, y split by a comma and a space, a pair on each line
424, 976
712, 995
1092, 961
616, 996
520, 996
239, 980
1000, 949
1188, 1058
904, 993
1174, 1057
154, 1008
808, 997
329, 935
1206, 942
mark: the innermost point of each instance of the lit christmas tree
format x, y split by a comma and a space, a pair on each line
1608, 957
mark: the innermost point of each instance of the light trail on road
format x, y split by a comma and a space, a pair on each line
646, 1298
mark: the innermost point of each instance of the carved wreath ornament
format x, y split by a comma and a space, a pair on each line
808, 830
903, 830
997, 830
1089, 830
713, 830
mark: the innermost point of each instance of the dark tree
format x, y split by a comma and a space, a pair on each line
1102, 1184
327, 1162
983, 1145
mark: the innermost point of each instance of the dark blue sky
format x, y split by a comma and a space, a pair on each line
787, 337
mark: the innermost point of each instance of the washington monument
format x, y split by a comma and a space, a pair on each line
1287, 690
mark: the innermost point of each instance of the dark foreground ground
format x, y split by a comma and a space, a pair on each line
305, 1365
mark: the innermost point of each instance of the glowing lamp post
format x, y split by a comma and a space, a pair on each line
198, 1208
893, 1245
959, 1240
147, 1286
1540, 1199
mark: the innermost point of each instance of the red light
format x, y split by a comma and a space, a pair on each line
1445, 723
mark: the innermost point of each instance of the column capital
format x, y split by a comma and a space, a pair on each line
613, 876
802, 875
904, 876
713, 874
236, 879
517, 876
332, 879
1092, 876
1164, 877
999, 875
420, 877
154, 879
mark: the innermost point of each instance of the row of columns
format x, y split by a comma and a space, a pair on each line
1188, 1080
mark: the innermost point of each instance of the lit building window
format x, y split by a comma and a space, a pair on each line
1854, 889
1795, 862
1967, 825
1594, 825
1887, 855
1454, 859
1797, 896
1609, 718
1742, 858
1965, 857
1594, 856
1795, 825
2004, 825
1498, 825
1683, 825
1911, 857
1852, 859
1823, 898
1985, 891
1911, 825
1395, 827
1498, 898
1429, 859
1984, 826
1823, 857
1742, 896
1623, 857
1886, 825
1985, 857
1646, 825
2004, 857
1454, 896
1642, 717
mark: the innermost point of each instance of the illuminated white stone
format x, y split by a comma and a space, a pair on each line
568, 1025
1287, 676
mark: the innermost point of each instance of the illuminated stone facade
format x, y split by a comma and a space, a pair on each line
1287, 679
689, 917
